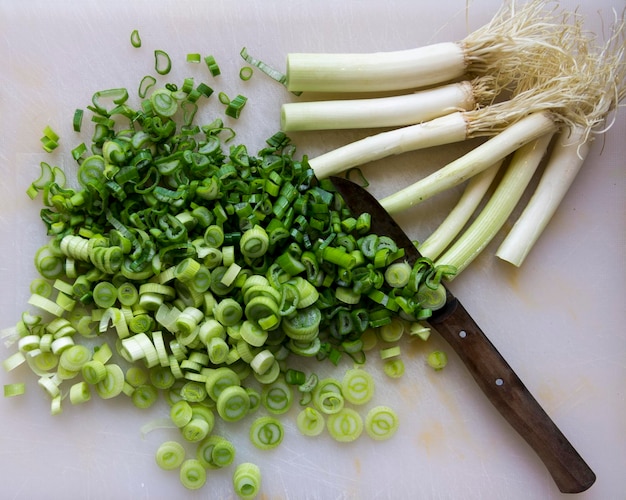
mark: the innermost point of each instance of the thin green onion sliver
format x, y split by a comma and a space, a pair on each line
162, 62
147, 82
77, 120
265, 68
135, 39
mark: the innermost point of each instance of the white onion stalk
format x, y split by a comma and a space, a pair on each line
501, 47
565, 162
478, 159
458, 217
399, 110
499, 207
570, 151
446, 129
557, 91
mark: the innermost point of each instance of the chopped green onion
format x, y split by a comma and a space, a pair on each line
147, 82
104, 294
163, 102
15, 389
144, 396
162, 62
381, 423
112, 383
328, 396
390, 352
266, 433
135, 39
74, 357
170, 455
233, 403
77, 120
397, 275
50, 139
196, 430
345, 426
245, 73
394, 368
437, 360
13, 361
235, 106
420, 330
214, 68
223, 453
432, 298
357, 386
194, 58
215, 452
253, 334
80, 393
310, 422
392, 331
247, 481
271, 72
219, 379
192, 474
277, 397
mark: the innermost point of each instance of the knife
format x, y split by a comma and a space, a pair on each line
492, 373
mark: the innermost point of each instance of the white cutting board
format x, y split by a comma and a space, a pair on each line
559, 320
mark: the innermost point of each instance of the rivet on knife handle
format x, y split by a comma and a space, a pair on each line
513, 400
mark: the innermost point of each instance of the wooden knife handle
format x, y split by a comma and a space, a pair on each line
513, 400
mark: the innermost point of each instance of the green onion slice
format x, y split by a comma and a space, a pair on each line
310, 422
345, 426
214, 68
135, 39
266, 433
381, 423
247, 481
112, 383
233, 403
245, 73
170, 455
162, 62
357, 386
192, 474
277, 397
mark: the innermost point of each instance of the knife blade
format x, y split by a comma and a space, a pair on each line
490, 370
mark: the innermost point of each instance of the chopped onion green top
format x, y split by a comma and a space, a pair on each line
135, 39
381, 423
247, 480
209, 268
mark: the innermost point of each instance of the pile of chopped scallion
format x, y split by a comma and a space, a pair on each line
185, 267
